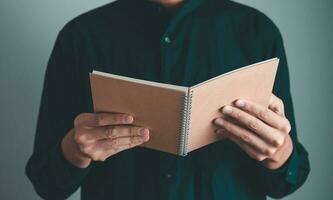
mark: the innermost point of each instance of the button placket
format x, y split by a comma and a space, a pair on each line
165, 54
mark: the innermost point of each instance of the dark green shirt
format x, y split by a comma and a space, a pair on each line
141, 39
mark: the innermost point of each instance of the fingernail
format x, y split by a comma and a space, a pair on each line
219, 121
240, 103
219, 131
143, 131
144, 138
227, 109
141, 139
129, 119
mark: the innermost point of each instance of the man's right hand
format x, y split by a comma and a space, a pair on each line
97, 136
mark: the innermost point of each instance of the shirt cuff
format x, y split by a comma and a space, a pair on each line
68, 175
288, 171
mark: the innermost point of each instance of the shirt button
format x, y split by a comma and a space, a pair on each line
168, 176
290, 173
167, 40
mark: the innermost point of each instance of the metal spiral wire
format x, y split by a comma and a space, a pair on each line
185, 127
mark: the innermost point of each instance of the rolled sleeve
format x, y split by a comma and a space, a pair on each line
68, 172
52, 176
289, 177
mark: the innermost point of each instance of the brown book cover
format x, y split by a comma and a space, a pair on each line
180, 119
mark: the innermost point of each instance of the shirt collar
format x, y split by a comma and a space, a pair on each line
147, 8
152, 6
187, 7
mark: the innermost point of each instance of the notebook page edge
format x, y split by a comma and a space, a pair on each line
235, 70
141, 81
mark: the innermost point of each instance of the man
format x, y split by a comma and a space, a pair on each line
181, 42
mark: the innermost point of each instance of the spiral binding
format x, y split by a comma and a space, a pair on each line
185, 127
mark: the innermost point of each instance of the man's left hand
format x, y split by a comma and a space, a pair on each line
263, 133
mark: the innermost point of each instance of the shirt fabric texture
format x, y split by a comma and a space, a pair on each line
141, 39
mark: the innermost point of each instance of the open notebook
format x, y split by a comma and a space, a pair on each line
180, 118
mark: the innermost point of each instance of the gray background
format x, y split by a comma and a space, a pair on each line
27, 33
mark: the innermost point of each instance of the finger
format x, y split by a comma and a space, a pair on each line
102, 149
246, 136
253, 153
85, 134
116, 143
276, 105
266, 132
277, 121
113, 118
265, 114
280, 153
102, 119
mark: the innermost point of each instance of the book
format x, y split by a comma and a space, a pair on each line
180, 119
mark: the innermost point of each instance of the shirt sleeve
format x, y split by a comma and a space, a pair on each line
290, 176
52, 176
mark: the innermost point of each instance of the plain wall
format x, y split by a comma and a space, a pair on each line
27, 33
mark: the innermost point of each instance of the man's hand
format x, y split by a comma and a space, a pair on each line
263, 133
97, 136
